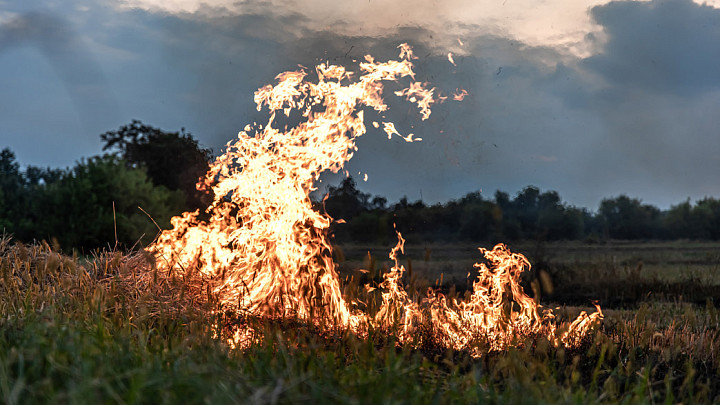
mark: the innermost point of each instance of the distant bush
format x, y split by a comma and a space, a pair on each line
84, 199
174, 160
85, 206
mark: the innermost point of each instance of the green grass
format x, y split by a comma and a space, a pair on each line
104, 330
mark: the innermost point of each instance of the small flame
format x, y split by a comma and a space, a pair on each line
389, 129
459, 94
450, 58
406, 52
418, 94
263, 249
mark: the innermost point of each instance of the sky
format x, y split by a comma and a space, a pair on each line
592, 99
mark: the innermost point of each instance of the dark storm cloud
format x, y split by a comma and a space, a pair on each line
626, 120
229, 62
514, 129
41, 29
668, 46
221, 61
658, 75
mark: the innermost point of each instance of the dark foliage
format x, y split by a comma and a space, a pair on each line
531, 215
95, 204
174, 160
628, 218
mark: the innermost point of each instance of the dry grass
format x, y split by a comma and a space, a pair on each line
110, 329
619, 273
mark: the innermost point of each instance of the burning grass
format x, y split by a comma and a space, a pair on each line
616, 274
93, 330
265, 251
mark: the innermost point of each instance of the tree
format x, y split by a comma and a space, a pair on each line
555, 220
677, 221
174, 160
98, 198
701, 221
479, 220
527, 211
410, 217
509, 223
12, 191
626, 218
706, 217
346, 201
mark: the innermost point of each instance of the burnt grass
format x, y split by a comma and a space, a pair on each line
106, 329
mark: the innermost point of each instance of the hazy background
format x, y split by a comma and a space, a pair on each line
592, 100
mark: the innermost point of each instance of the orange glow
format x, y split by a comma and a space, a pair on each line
264, 250
418, 94
389, 129
460, 94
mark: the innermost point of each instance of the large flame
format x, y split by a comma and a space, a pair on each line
264, 249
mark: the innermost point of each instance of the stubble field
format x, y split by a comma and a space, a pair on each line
86, 330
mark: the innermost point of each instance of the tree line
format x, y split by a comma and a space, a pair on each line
124, 197
529, 215
116, 200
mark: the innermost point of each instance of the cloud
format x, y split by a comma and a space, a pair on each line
668, 47
515, 114
218, 61
612, 124
657, 75
558, 22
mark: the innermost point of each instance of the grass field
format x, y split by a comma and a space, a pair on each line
93, 330
616, 273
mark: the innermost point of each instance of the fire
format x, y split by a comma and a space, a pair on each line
496, 315
460, 94
264, 250
418, 94
389, 129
